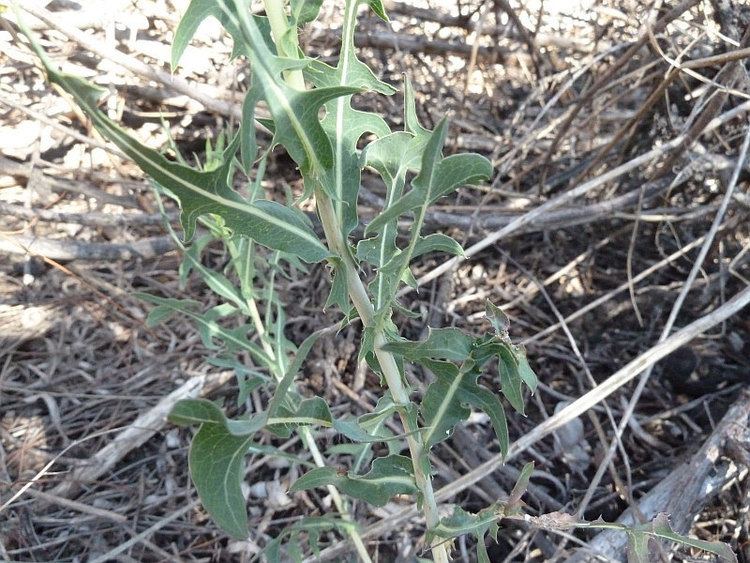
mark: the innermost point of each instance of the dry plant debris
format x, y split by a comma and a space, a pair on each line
616, 131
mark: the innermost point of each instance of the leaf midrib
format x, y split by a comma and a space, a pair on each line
261, 55
346, 44
444, 406
242, 207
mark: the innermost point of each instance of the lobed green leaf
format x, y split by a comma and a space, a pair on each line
441, 343
295, 113
270, 223
443, 405
311, 527
437, 242
437, 177
392, 156
345, 125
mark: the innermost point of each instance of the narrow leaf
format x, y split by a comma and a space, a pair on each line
661, 528
285, 384
216, 281
525, 372
389, 476
522, 483
510, 380
270, 223
233, 339
377, 7
437, 242
339, 295
411, 121
248, 143
305, 11
462, 522
197, 11
309, 412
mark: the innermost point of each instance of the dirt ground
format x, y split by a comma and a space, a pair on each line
627, 120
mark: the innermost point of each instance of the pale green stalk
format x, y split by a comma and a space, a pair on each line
361, 301
305, 432
279, 28
391, 373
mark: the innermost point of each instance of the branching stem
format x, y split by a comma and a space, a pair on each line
358, 294
391, 373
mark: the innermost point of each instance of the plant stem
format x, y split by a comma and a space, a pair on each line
391, 373
361, 300
279, 30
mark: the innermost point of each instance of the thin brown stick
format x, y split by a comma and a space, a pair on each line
75, 250
77, 506
93, 219
526, 36
50, 179
425, 46
607, 76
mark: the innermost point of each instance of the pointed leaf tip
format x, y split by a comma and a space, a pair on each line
390, 475
216, 462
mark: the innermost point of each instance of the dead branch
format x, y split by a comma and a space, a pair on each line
425, 46
75, 250
687, 489
92, 219
211, 98
44, 179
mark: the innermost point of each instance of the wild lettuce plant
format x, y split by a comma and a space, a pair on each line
314, 118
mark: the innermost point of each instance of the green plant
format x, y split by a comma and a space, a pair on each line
312, 117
